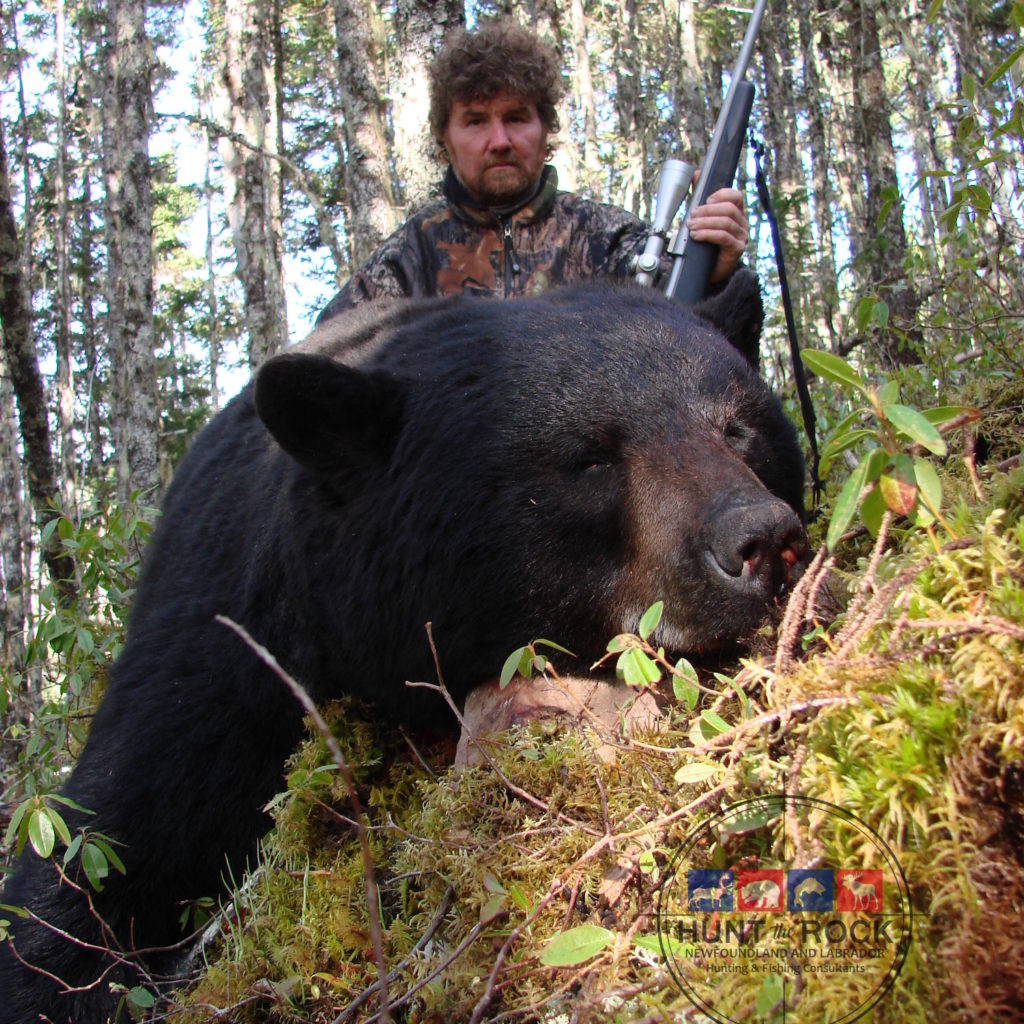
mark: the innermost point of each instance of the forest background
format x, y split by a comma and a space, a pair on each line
183, 187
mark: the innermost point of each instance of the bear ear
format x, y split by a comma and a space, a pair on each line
326, 415
738, 312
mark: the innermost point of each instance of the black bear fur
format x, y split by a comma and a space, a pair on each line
505, 470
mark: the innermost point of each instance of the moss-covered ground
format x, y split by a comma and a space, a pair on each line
895, 692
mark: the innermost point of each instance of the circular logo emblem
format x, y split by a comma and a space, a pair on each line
755, 923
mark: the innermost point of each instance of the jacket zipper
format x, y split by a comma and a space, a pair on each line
511, 260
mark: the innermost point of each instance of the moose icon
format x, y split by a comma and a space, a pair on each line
863, 891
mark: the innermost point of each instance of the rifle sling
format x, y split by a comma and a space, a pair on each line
806, 406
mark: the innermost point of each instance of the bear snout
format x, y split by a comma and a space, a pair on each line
757, 550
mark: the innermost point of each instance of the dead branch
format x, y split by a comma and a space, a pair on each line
338, 757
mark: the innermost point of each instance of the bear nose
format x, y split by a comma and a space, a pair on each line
758, 549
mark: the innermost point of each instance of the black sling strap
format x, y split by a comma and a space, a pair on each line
806, 407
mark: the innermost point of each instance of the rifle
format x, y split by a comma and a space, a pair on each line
692, 261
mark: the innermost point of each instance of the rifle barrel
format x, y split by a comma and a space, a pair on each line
729, 128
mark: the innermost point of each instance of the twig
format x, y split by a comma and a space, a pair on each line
499, 960
298, 175
338, 757
440, 688
406, 997
754, 724
395, 973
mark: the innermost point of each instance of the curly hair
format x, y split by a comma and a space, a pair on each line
498, 56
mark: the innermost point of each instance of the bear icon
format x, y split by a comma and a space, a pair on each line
506, 470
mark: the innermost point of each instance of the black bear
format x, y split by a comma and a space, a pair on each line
505, 470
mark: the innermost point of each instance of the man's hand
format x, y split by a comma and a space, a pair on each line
722, 221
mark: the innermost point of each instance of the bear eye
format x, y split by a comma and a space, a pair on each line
592, 458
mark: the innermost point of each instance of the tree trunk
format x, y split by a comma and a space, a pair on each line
64, 385
213, 326
245, 101
629, 107
689, 98
370, 200
880, 263
826, 283
134, 361
583, 88
788, 184
12, 530
16, 318
275, 179
421, 26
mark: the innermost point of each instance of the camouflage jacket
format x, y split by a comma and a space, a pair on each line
455, 245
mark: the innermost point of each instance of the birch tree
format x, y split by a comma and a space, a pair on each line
247, 148
881, 261
130, 257
359, 39
420, 28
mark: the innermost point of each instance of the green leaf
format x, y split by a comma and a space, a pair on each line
862, 312
889, 392
1005, 66
140, 998
685, 684
929, 491
914, 425
493, 907
69, 853
59, 825
772, 990
576, 946
872, 508
637, 669
47, 531
111, 855
832, 368
944, 413
519, 898
980, 198
40, 832
847, 422
696, 771
651, 618
519, 661
754, 816
85, 641
95, 865
16, 819
846, 503
840, 444
554, 647
714, 722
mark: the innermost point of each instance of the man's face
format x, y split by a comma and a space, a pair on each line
496, 147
